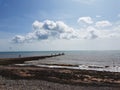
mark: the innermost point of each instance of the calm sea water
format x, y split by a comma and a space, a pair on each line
71, 57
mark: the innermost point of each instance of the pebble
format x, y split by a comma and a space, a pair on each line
6, 84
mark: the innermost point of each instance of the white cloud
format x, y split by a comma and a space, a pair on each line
51, 30
18, 39
91, 33
103, 23
47, 29
87, 20
37, 25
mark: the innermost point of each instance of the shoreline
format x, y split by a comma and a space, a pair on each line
63, 76
74, 66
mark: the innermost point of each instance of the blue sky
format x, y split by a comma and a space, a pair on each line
84, 24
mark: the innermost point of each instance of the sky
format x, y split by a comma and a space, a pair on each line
44, 25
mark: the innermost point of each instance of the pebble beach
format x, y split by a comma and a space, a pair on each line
6, 84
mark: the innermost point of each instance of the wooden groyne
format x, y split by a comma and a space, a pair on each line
20, 60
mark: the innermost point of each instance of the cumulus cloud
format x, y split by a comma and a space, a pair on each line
87, 20
103, 23
91, 35
18, 39
49, 29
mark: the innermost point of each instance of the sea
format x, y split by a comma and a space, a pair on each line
108, 60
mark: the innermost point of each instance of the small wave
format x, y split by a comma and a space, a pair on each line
84, 67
